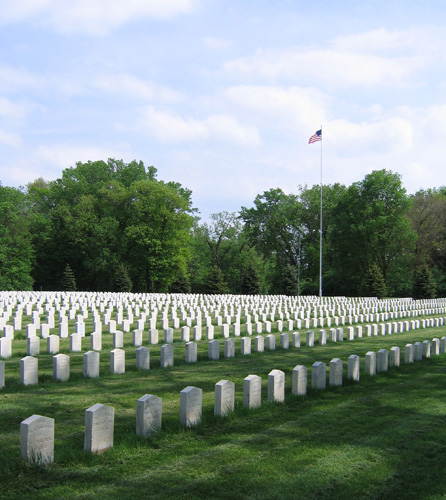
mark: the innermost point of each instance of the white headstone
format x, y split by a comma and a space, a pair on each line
270, 342
91, 364
166, 355
394, 356
5, 347
29, 370
61, 367
259, 344
319, 375
299, 380
37, 439
214, 350
409, 353
143, 358
383, 360
336, 367
252, 391
149, 410
370, 363
245, 345
353, 367
117, 361
99, 428
52, 344
191, 352
224, 397
75, 342
137, 338
229, 348
190, 406
276, 386
33, 346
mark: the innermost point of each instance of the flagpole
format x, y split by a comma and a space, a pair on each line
320, 231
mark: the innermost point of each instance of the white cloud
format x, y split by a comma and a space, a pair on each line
127, 84
216, 43
331, 67
10, 139
170, 127
64, 156
94, 17
278, 107
13, 79
11, 110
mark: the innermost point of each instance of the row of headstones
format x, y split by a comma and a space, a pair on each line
37, 432
403, 306
61, 362
335, 334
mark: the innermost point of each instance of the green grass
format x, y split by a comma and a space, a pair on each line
384, 437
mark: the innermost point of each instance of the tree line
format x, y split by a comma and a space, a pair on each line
113, 226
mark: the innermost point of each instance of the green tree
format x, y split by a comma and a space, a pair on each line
68, 281
181, 284
374, 284
16, 251
370, 226
251, 281
216, 282
122, 281
424, 285
290, 282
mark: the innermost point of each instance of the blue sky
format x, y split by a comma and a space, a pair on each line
223, 95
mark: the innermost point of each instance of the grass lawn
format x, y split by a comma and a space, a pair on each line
383, 437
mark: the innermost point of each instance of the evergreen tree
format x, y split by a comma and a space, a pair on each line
216, 282
68, 282
251, 280
290, 281
424, 286
181, 284
374, 284
122, 281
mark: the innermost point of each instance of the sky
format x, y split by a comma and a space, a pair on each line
222, 96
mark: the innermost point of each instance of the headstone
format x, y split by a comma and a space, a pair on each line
353, 367
143, 358
322, 337
2, 374
37, 439
29, 370
426, 349
5, 347
91, 364
75, 342
229, 348
418, 351
370, 363
185, 334
190, 406
270, 342
442, 345
168, 336
224, 397
149, 410
191, 352
295, 339
245, 345
319, 375
61, 367
210, 332
96, 341
299, 380
383, 360
259, 344
166, 355
33, 346
44, 330
137, 338
153, 336
214, 350
336, 366
252, 391
394, 359
99, 427
118, 339
409, 353
310, 338
117, 361
276, 386
52, 344
285, 340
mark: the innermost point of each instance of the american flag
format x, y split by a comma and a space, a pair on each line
317, 136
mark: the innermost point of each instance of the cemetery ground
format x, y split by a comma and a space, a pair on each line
382, 437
